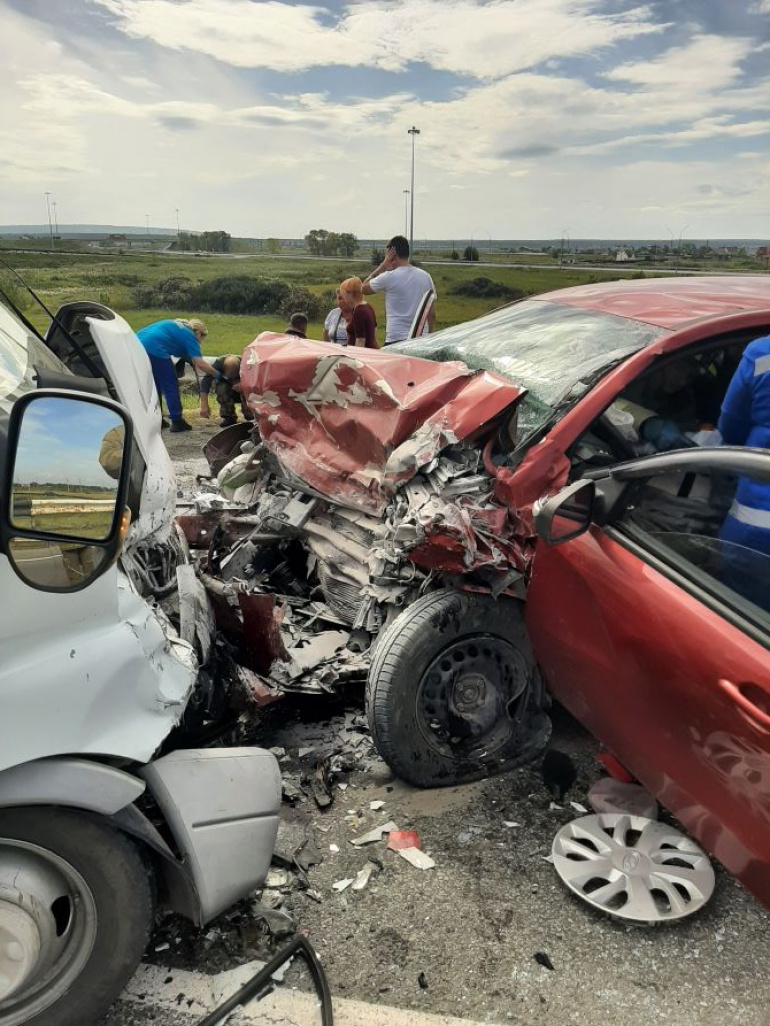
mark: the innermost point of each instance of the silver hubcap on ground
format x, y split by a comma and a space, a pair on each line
633, 867
47, 928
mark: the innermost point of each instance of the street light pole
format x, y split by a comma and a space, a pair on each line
406, 210
413, 132
50, 223
55, 220
177, 223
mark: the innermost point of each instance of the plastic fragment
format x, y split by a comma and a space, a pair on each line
399, 839
578, 807
376, 806
363, 877
609, 795
376, 834
417, 858
342, 885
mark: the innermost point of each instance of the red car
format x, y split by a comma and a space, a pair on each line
393, 505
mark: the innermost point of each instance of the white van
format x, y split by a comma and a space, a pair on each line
103, 633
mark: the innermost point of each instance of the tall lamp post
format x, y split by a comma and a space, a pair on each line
406, 210
413, 132
55, 220
50, 223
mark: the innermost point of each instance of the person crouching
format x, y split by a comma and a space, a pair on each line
227, 389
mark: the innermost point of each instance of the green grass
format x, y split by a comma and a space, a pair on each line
111, 278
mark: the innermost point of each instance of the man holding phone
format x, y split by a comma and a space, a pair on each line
404, 286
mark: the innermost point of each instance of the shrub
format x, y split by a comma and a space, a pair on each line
485, 288
242, 294
302, 300
470, 253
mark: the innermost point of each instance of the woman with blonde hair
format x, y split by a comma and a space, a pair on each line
336, 323
362, 324
182, 339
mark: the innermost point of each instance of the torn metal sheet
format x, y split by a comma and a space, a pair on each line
354, 427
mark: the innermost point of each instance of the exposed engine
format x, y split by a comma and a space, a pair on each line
307, 584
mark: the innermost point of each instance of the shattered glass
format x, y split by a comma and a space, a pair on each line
555, 351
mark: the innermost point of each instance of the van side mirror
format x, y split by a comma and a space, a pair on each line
66, 477
567, 514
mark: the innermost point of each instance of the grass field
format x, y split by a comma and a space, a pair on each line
110, 279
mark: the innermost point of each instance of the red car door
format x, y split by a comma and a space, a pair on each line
641, 638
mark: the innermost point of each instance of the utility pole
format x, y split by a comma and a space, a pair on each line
55, 221
50, 223
406, 211
147, 222
177, 225
413, 132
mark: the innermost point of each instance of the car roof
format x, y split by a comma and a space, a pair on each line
670, 302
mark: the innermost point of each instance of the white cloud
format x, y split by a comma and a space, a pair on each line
469, 37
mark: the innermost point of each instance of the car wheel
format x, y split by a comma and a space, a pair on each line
76, 908
453, 694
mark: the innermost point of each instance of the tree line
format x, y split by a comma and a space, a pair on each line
320, 242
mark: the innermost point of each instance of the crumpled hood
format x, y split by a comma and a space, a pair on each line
354, 424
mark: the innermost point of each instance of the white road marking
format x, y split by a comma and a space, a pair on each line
193, 995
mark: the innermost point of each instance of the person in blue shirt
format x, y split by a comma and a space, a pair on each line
164, 339
745, 420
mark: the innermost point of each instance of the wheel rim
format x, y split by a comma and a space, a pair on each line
467, 699
632, 867
47, 928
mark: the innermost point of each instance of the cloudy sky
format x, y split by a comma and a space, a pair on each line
603, 118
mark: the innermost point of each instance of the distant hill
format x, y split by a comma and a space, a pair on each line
482, 243
85, 229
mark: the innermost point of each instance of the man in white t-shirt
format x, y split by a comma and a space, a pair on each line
404, 287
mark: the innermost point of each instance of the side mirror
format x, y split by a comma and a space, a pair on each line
67, 466
567, 514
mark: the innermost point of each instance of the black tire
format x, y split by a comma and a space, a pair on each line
120, 886
453, 693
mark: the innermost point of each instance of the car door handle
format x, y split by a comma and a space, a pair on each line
758, 716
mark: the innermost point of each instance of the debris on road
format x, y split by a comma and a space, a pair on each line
559, 772
417, 858
422, 980
363, 877
375, 835
610, 795
399, 839
376, 806
342, 885
542, 959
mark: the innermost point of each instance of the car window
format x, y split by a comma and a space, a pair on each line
674, 405
702, 526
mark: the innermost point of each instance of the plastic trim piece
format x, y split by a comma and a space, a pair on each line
221, 805
75, 783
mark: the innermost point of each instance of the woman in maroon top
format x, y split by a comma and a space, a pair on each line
362, 324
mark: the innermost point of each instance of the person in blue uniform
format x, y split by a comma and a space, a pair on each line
182, 339
745, 420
